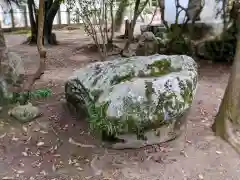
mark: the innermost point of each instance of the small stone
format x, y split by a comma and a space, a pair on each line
25, 113
62, 100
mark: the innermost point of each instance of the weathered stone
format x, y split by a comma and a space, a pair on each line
143, 28
216, 50
12, 72
134, 97
128, 53
24, 113
147, 44
154, 28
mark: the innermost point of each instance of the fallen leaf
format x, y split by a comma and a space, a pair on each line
54, 168
27, 141
218, 152
76, 164
43, 173
25, 129
71, 141
200, 176
57, 155
80, 169
36, 129
21, 164
88, 177
43, 132
14, 138
20, 172
40, 143
70, 161
183, 153
3, 135
24, 154
7, 178
36, 163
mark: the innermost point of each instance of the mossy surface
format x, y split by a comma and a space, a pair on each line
118, 79
135, 94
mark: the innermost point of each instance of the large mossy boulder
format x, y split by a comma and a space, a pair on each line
138, 101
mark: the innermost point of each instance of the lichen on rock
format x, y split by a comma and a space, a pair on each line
12, 72
134, 95
24, 113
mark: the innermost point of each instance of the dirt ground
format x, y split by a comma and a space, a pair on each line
58, 146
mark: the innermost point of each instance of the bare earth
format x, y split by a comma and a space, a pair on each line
41, 149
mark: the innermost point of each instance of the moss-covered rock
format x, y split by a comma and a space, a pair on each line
25, 113
11, 75
134, 95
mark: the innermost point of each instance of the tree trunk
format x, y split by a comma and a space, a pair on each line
2, 46
194, 6
33, 38
119, 14
51, 8
137, 11
41, 50
161, 4
227, 121
110, 40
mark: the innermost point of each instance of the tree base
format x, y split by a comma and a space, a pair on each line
32, 40
52, 40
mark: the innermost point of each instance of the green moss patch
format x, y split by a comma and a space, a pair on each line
118, 79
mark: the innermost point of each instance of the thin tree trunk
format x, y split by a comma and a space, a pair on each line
161, 4
50, 13
137, 12
33, 38
154, 14
119, 14
51, 9
41, 50
112, 23
2, 46
194, 6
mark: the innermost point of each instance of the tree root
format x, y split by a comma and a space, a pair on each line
231, 137
31, 40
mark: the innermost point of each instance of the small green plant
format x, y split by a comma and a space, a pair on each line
24, 97
97, 119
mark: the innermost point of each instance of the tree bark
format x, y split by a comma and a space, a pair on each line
161, 4
227, 121
2, 46
119, 14
137, 11
33, 38
41, 50
51, 8
194, 6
